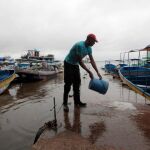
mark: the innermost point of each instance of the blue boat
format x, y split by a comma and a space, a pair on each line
109, 67
137, 78
6, 77
113, 69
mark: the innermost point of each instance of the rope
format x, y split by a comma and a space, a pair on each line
58, 109
51, 124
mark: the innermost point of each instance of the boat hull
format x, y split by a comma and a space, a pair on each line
6, 77
109, 68
138, 79
30, 75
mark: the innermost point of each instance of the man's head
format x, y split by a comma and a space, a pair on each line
91, 39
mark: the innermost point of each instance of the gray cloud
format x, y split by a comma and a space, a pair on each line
53, 26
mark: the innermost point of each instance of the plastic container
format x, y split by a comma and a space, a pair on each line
98, 85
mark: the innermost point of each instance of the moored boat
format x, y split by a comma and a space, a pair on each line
112, 68
115, 72
7, 63
37, 70
109, 67
6, 77
137, 78
33, 67
35, 75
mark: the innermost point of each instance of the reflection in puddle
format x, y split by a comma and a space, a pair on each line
96, 130
13, 91
76, 126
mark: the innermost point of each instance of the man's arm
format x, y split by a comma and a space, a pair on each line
85, 67
94, 66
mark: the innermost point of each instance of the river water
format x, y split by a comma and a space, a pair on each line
119, 119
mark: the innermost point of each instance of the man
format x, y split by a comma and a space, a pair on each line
72, 72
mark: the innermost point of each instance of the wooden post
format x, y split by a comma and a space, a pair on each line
55, 110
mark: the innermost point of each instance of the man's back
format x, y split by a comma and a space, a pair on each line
79, 49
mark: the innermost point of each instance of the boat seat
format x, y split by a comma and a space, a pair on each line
143, 86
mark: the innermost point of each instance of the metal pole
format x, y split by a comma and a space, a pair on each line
54, 109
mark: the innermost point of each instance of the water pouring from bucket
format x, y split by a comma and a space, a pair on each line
98, 85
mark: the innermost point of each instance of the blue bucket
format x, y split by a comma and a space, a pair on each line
98, 85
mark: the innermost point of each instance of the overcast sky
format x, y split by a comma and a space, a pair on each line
53, 26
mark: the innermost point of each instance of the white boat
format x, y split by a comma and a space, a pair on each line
38, 70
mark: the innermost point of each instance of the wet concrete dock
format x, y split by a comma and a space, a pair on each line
118, 120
